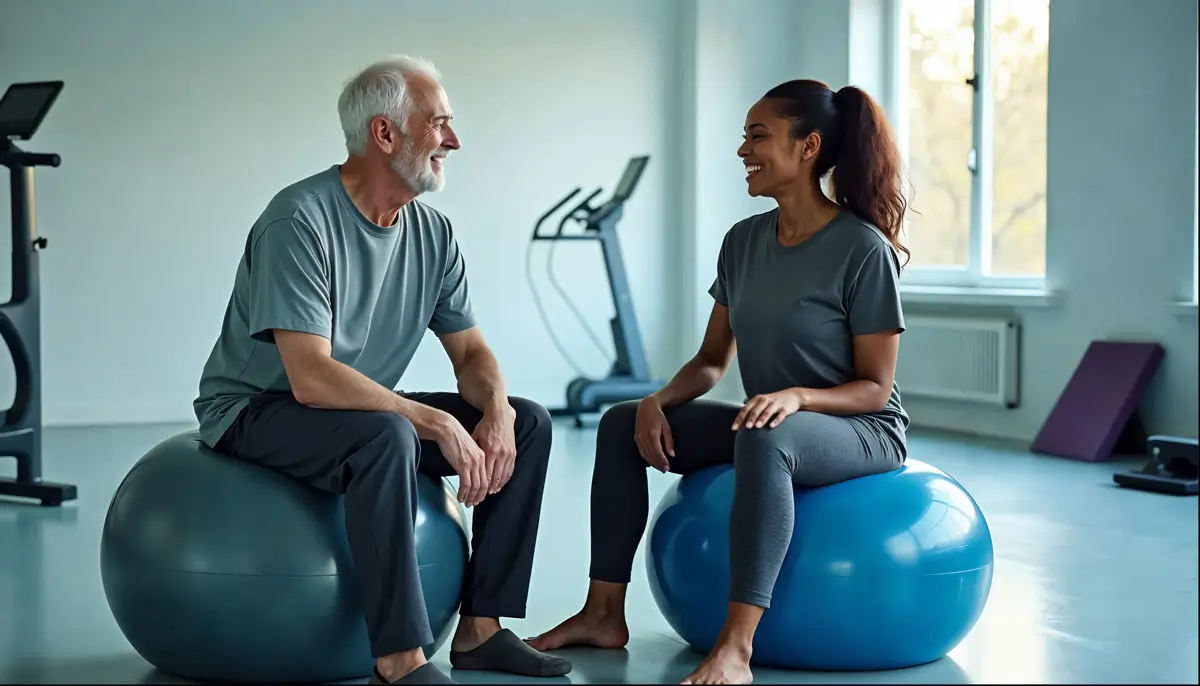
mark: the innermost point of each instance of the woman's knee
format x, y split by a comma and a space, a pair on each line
618, 423
615, 443
763, 450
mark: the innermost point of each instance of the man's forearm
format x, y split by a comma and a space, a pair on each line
481, 384
331, 385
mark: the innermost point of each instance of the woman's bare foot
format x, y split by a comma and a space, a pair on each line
600, 624
726, 664
729, 660
586, 628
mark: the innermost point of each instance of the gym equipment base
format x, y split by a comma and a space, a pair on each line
582, 419
589, 397
50, 494
1172, 468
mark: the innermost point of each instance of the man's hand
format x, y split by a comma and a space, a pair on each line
769, 409
467, 460
496, 436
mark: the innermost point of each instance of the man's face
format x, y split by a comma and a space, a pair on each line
428, 139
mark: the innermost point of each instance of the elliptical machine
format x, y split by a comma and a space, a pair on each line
22, 110
629, 377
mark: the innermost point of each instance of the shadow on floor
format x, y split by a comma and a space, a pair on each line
590, 666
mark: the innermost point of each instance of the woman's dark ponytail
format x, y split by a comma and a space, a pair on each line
857, 144
867, 176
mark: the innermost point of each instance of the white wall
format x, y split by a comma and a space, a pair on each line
180, 120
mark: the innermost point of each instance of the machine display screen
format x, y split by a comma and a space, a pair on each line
633, 172
23, 106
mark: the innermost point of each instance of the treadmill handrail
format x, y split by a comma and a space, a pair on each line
584, 204
541, 220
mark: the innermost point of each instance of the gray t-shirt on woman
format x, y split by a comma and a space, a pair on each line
795, 310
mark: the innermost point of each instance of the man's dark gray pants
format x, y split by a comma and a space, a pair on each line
373, 459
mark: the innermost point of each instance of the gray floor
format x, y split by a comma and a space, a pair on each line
1093, 584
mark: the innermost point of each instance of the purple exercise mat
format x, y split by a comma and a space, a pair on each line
1101, 396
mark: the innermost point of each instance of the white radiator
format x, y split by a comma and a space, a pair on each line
961, 358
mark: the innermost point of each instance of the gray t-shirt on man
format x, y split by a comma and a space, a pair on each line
314, 263
795, 310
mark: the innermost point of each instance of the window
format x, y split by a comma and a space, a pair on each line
970, 92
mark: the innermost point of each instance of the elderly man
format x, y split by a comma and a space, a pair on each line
339, 278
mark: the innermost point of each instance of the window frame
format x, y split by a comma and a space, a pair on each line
982, 135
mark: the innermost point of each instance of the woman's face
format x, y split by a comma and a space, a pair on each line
774, 160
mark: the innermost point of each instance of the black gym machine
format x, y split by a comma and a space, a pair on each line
22, 110
629, 377
1173, 467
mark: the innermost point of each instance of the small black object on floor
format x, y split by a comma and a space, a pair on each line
1172, 467
22, 110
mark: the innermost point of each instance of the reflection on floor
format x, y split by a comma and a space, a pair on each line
1093, 584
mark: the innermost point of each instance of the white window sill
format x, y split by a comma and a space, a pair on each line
978, 296
1184, 309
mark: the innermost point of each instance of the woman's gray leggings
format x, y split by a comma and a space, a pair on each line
807, 449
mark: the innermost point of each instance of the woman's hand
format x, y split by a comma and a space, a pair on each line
769, 409
652, 434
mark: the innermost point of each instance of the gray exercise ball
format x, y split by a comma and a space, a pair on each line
220, 570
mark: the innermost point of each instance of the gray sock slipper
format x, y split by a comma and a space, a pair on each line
506, 652
425, 674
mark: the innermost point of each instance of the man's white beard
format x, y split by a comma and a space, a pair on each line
417, 171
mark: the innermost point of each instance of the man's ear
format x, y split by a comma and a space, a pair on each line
384, 134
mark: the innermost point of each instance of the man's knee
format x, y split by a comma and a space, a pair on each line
532, 418
392, 435
530, 411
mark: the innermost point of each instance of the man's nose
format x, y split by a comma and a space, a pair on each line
450, 140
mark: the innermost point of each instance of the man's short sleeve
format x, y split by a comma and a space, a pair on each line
289, 282
453, 312
874, 301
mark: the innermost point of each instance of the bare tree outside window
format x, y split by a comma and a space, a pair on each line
950, 130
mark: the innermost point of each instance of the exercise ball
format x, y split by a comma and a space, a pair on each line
885, 571
217, 569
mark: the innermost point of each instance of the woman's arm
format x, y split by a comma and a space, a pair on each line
875, 363
705, 369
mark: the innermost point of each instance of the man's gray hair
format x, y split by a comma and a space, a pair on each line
380, 90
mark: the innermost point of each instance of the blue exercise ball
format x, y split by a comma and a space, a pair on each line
217, 569
885, 571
